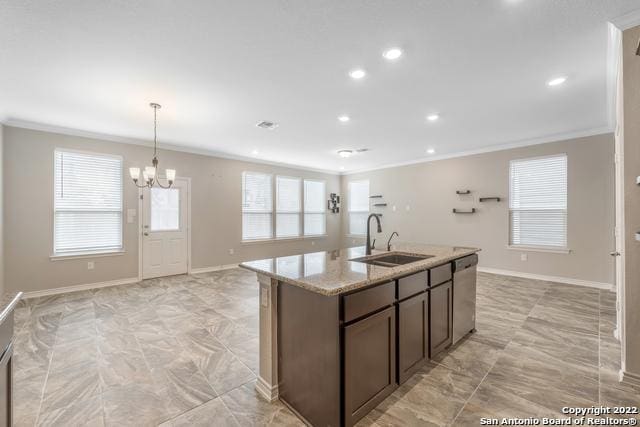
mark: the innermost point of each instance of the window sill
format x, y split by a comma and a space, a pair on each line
81, 255
539, 249
283, 239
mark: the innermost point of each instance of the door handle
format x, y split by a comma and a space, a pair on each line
614, 253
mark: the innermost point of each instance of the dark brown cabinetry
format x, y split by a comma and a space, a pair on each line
441, 317
369, 363
413, 335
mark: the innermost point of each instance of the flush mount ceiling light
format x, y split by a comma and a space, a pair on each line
357, 74
255, 152
430, 151
344, 118
433, 117
149, 172
557, 81
345, 153
392, 54
266, 124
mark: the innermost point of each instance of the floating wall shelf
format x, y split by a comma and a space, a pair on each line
463, 191
489, 199
459, 211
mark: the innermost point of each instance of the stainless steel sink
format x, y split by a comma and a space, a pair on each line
392, 259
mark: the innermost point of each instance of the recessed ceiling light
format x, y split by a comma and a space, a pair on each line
357, 74
345, 153
433, 117
431, 151
556, 81
255, 152
344, 118
392, 54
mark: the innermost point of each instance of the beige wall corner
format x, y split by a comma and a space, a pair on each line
631, 120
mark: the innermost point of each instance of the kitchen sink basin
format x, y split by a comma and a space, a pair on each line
392, 259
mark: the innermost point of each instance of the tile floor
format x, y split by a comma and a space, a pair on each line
183, 351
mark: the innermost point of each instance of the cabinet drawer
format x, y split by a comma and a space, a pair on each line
414, 284
364, 302
440, 274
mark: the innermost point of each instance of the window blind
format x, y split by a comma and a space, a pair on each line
358, 207
538, 202
315, 219
87, 202
288, 206
257, 206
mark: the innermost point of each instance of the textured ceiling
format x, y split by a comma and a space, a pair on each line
218, 67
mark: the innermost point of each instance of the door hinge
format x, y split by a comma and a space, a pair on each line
141, 197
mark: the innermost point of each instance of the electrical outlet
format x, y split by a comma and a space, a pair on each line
231, 251
393, 208
523, 257
90, 265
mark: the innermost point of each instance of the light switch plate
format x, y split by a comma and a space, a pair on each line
523, 257
131, 215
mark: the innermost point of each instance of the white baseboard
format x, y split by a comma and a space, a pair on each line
629, 378
75, 288
214, 268
269, 393
566, 280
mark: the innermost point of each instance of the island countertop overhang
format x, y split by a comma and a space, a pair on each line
333, 272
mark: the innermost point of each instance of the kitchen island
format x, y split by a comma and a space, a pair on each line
339, 331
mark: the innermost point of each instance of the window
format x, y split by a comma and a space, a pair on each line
165, 209
257, 206
358, 207
315, 219
87, 203
299, 208
538, 202
288, 206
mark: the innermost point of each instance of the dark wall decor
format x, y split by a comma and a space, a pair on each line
333, 202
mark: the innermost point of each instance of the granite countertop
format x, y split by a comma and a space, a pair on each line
332, 273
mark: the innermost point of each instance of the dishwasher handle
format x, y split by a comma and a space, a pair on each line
464, 263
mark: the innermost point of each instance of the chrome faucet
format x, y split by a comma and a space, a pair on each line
395, 233
368, 250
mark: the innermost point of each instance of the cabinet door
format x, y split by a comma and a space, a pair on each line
369, 363
413, 335
441, 318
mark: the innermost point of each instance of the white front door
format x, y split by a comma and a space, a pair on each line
165, 230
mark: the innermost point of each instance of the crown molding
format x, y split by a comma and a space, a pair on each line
23, 124
492, 148
628, 20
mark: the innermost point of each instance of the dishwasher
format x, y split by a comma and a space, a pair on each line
464, 296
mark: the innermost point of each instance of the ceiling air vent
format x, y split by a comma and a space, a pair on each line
265, 124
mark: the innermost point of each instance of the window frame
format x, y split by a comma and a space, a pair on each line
300, 211
274, 212
539, 248
324, 210
349, 211
85, 253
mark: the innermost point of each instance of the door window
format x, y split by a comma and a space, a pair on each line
165, 209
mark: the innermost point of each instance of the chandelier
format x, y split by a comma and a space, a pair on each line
149, 174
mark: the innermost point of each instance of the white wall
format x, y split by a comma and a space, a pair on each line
429, 189
631, 89
215, 202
